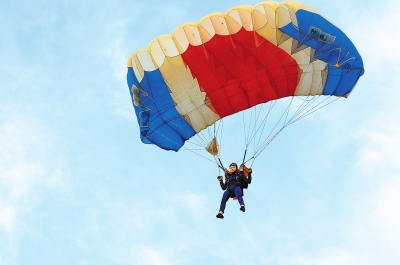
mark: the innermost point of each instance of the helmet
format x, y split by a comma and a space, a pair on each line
233, 164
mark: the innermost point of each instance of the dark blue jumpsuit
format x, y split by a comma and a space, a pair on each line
233, 188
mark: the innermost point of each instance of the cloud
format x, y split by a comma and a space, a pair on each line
151, 256
385, 213
380, 153
370, 214
25, 173
377, 212
7, 220
371, 231
152, 225
17, 174
375, 33
370, 228
162, 227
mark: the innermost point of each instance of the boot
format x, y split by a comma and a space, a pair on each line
220, 215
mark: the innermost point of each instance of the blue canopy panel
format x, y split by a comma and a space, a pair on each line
332, 46
159, 121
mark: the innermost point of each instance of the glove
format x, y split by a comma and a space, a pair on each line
219, 178
250, 170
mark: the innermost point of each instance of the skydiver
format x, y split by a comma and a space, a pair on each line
235, 181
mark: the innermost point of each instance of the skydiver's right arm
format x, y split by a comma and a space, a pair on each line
221, 182
223, 185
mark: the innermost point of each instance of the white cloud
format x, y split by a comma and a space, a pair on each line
151, 256
376, 227
380, 154
332, 257
376, 33
371, 231
25, 146
19, 160
386, 212
160, 228
197, 205
371, 228
116, 50
7, 219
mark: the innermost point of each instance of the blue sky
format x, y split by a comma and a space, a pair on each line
77, 186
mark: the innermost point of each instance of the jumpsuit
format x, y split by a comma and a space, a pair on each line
233, 188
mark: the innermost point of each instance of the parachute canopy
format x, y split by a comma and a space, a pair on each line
226, 63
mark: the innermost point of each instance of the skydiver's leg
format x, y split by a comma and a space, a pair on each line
225, 198
238, 193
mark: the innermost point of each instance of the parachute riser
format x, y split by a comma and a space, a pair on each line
244, 156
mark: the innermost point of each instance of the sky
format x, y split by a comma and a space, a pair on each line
77, 186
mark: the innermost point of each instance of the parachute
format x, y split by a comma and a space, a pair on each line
246, 60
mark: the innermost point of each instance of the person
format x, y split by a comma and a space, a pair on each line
235, 181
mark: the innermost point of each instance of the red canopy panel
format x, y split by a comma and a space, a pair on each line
237, 74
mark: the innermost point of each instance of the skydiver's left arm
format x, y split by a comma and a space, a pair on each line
248, 178
249, 175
